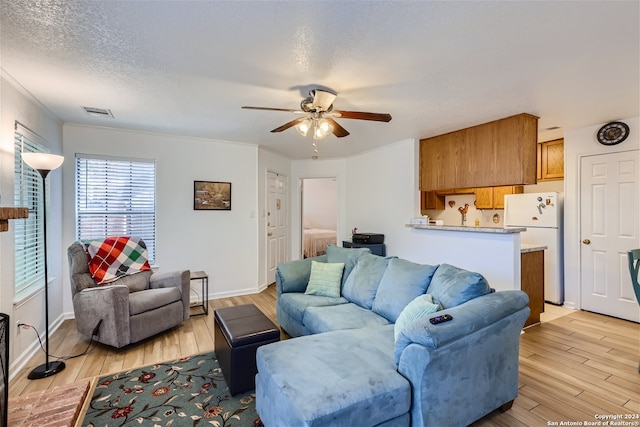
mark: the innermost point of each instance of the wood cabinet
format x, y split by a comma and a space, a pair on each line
532, 282
484, 198
498, 153
493, 197
434, 200
431, 200
453, 191
550, 160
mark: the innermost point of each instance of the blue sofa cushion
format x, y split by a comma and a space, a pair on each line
349, 256
452, 286
352, 381
295, 303
294, 276
401, 283
325, 279
337, 317
418, 308
362, 284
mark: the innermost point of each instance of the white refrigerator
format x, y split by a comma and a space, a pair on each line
541, 214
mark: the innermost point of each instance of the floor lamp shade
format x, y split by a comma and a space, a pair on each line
45, 163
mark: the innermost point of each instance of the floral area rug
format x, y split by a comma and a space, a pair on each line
186, 392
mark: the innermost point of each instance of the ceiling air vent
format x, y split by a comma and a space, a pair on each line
98, 112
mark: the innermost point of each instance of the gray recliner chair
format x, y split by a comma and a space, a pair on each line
132, 308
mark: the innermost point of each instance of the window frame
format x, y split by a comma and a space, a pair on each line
29, 250
101, 208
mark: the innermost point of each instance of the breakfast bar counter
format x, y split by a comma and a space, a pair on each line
467, 229
492, 251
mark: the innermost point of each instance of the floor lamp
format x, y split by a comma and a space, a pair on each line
45, 163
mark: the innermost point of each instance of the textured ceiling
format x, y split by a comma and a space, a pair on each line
186, 67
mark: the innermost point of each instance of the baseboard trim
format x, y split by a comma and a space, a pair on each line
22, 359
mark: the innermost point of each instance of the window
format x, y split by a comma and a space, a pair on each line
28, 232
116, 197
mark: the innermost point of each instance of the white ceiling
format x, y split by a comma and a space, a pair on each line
186, 67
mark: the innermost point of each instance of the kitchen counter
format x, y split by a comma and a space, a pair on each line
496, 230
526, 248
493, 252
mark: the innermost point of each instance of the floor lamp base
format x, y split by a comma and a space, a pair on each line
46, 370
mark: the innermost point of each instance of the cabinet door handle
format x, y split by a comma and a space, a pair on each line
586, 241
269, 234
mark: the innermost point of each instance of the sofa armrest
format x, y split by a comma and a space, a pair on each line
468, 318
109, 304
293, 276
470, 362
178, 279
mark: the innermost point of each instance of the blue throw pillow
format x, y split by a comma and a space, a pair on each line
349, 256
362, 284
325, 279
452, 286
401, 283
419, 307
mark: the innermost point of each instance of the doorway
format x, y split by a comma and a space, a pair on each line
319, 215
609, 227
276, 222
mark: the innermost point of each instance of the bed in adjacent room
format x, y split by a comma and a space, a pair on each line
315, 241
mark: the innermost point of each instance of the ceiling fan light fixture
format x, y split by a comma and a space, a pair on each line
322, 129
303, 127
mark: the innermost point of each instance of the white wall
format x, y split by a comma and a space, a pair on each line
382, 193
16, 104
577, 144
222, 243
320, 203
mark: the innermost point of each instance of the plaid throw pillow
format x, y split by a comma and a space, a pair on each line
115, 257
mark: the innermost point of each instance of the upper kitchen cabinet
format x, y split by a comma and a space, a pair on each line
498, 153
551, 160
493, 197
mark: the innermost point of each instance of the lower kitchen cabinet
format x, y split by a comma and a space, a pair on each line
532, 282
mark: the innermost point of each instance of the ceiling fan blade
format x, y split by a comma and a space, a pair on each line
361, 115
322, 100
338, 130
273, 109
289, 124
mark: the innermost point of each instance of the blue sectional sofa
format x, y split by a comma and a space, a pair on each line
368, 355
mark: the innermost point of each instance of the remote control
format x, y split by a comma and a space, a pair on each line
440, 319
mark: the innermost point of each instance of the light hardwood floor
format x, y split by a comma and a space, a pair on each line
572, 366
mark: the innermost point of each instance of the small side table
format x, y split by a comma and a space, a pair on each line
203, 302
376, 248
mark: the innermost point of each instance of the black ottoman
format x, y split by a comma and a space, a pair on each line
239, 331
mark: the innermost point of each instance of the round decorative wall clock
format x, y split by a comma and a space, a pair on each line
613, 133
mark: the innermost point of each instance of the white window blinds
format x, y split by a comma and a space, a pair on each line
116, 197
28, 232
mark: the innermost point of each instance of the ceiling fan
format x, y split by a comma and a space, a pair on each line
319, 115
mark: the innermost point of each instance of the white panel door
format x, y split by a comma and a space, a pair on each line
276, 222
609, 226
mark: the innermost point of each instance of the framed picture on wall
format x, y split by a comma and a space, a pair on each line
211, 196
